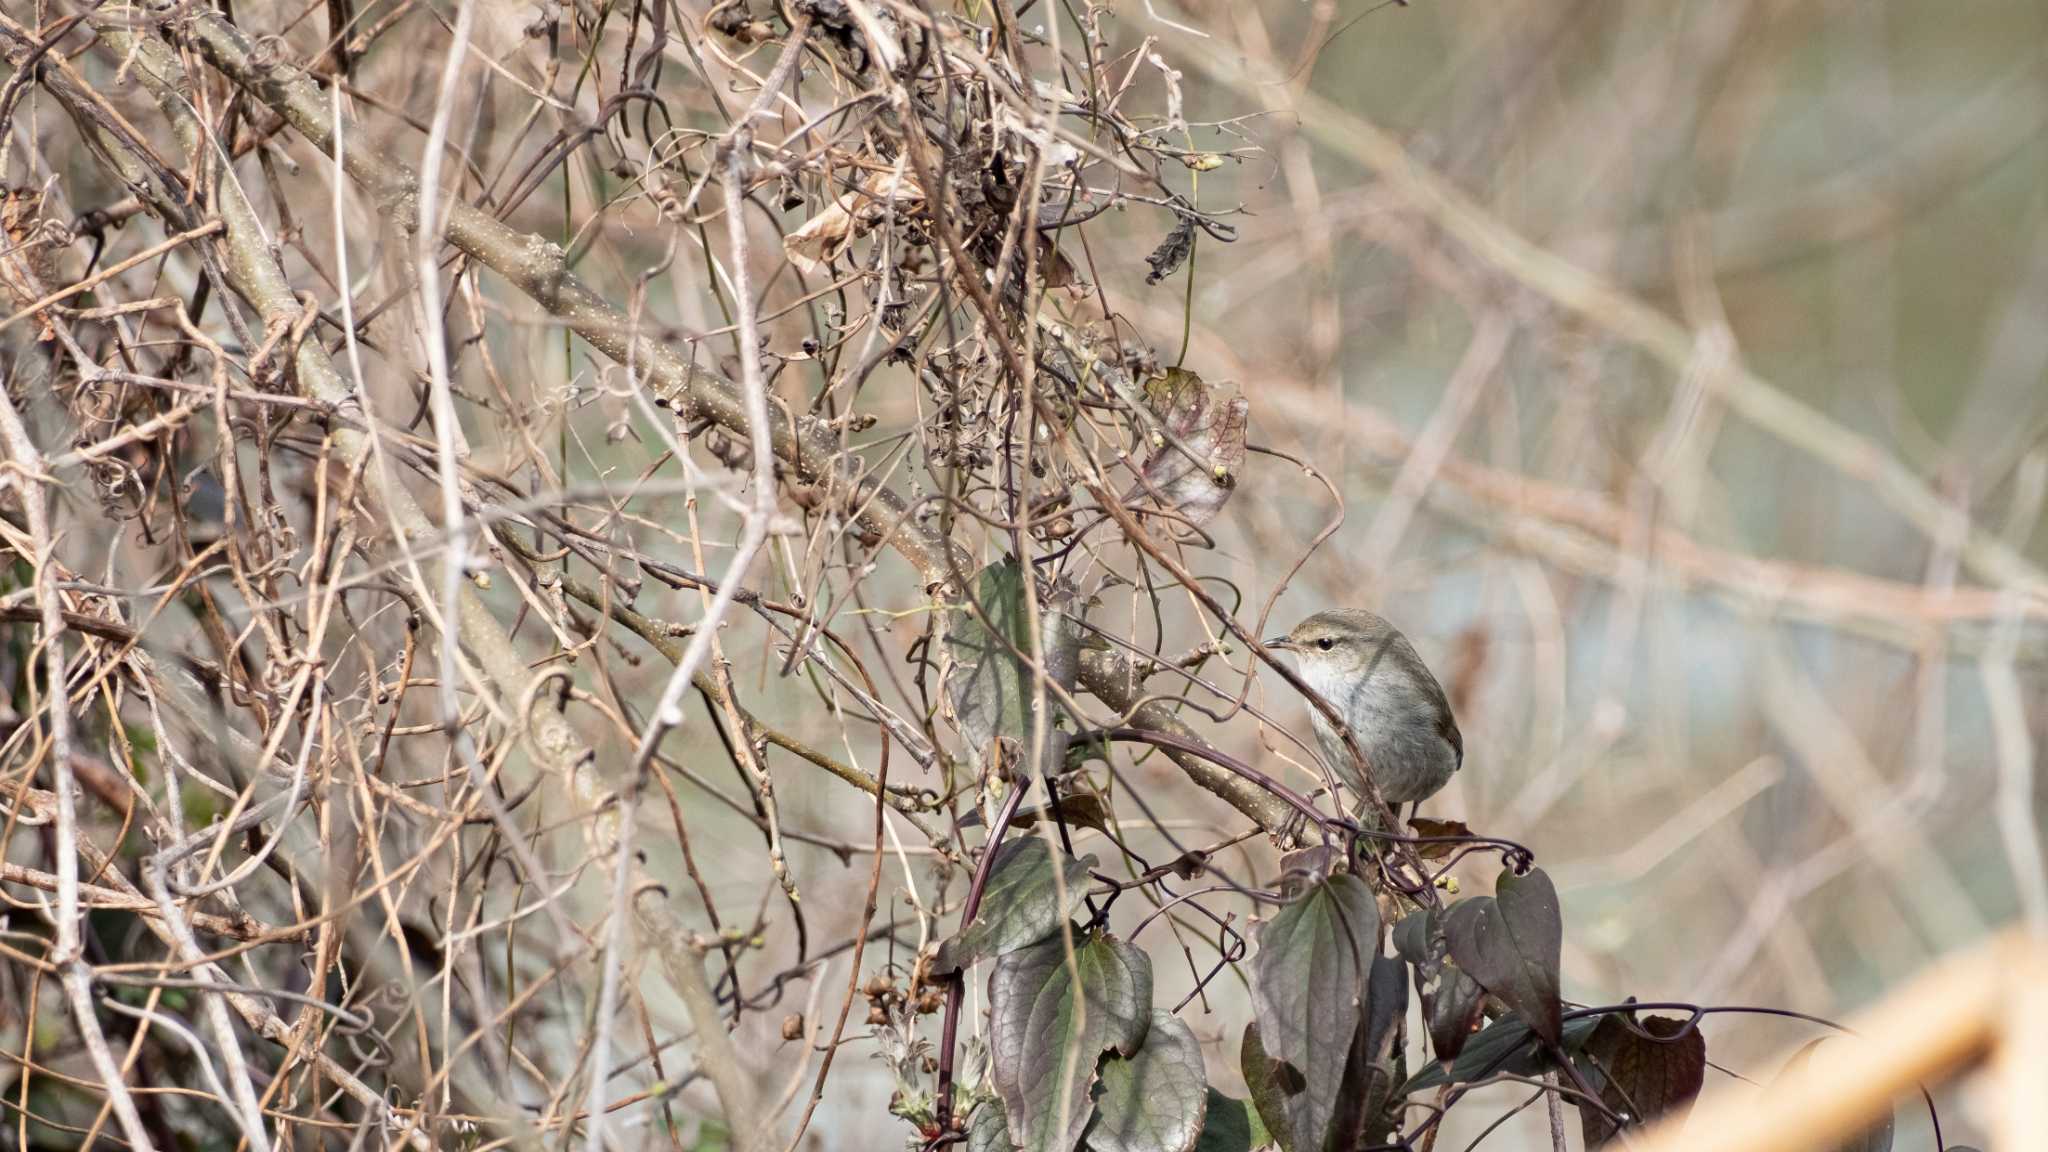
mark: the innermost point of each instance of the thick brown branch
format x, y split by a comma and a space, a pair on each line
1111, 679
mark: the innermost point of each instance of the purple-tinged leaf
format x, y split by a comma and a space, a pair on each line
1377, 1058
1451, 999
993, 693
1640, 1078
1309, 984
1506, 1045
1275, 1087
1021, 905
1512, 943
1050, 1023
1154, 1099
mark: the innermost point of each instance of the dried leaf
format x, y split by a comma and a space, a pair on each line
849, 216
1193, 469
1079, 807
1172, 251
1425, 827
1057, 270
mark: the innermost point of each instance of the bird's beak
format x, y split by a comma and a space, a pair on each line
1281, 643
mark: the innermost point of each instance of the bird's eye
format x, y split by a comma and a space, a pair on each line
1327, 643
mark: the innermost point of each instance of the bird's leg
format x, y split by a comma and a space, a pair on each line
1290, 829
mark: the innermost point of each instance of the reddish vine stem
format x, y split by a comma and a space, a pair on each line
949, 1030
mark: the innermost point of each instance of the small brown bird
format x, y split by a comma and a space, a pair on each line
1389, 699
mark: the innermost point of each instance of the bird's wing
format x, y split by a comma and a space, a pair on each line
1446, 724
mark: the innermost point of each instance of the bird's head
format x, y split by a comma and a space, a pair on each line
1336, 641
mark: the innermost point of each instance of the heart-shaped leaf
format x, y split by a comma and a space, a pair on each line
1506, 1045
1049, 1023
1153, 1100
1512, 944
1231, 1125
1451, 1000
1640, 1077
1358, 1115
1021, 905
1275, 1087
988, 1130
1309, 989
992, 690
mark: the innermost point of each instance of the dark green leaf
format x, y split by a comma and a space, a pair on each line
1506, 1045
1512, 944
992, 691
988, 1130
1640, 1078
1045, 1051
1379, 1061
1021, 905
1412, 936
1308, 984
1153, 1100
1877, 1139
1231, 1125
1274, 1086
1451, 999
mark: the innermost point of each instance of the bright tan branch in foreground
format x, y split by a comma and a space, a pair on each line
1985, 1007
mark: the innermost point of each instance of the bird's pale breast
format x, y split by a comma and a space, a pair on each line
1395, 724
